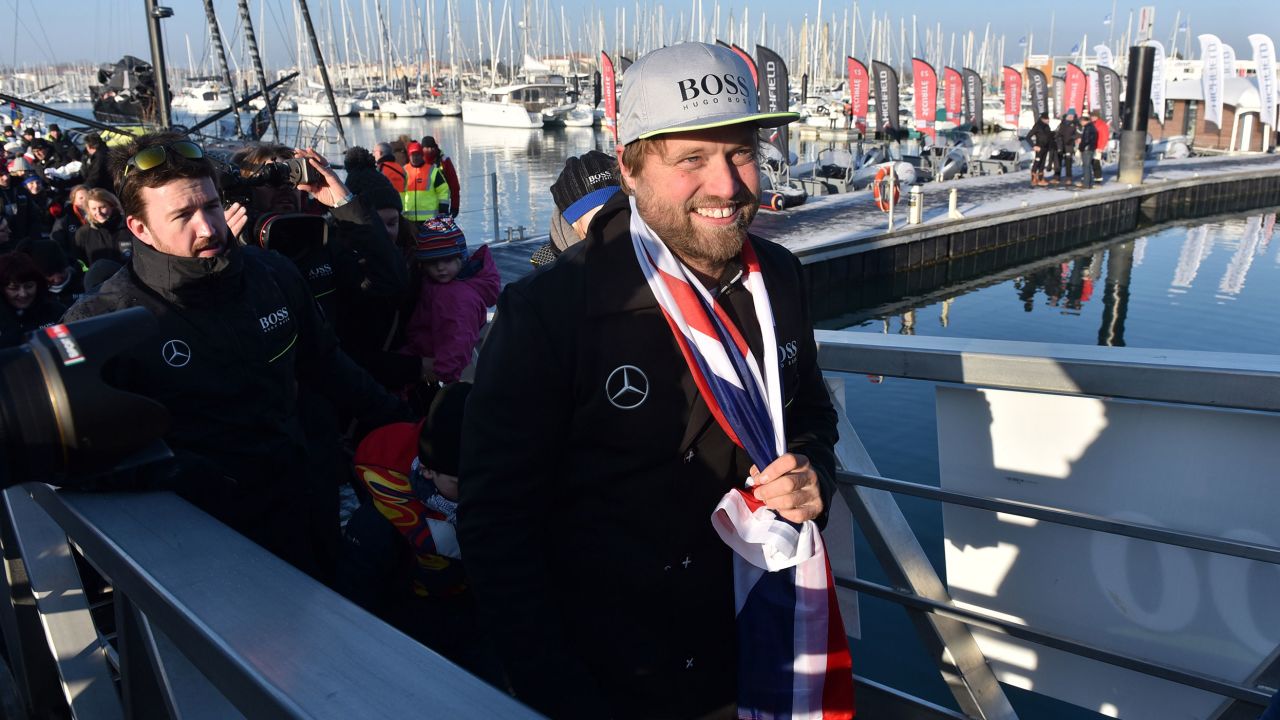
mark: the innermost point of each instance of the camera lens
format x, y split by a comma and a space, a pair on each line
59, 419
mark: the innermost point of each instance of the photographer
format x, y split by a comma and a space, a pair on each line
353, 270
238, 334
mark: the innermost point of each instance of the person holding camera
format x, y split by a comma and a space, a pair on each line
238, 333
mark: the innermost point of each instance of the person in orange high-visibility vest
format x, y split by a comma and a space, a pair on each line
387, 165
426, 192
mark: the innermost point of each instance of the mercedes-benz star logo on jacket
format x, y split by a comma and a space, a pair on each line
627, 387
176, 353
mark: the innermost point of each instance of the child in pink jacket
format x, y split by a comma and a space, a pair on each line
453, 300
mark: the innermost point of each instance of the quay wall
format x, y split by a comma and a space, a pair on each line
873, 269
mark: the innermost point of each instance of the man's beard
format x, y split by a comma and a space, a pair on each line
697, 243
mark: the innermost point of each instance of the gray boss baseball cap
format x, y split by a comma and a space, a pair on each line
690, 86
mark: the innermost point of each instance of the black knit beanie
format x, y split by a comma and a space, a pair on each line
440, 441
368, 183
586, 182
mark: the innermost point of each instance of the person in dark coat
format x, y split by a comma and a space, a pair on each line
95, 171
1088, 146
65, 279
35, 210
1042, 143
1065, 138
27, 306
238, 333
591, 463
106, 235
62, 145
75, 213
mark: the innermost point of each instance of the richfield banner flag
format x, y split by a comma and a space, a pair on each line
1074, 90
1211, 78
1038, 85
1157, 81
772, 83
609, 87
1228, 60
972, 99
1091, 80
1059, 96
859, 92
1264, 56
1012, 96
953, 97
1109, 95
751, 63
924, 82
886, 82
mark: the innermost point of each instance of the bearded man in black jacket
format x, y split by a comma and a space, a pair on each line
238, 332
591, 462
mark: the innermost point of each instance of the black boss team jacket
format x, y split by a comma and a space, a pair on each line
585, 506
237, 334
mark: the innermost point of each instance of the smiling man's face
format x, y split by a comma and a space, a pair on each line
699, 191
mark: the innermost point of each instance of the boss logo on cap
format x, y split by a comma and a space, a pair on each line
712, 89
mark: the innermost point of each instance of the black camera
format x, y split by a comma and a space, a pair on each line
283, 173
60, 422
236, 186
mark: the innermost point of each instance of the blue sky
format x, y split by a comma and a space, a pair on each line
34, 32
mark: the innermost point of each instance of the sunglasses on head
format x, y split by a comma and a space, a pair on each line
153, 157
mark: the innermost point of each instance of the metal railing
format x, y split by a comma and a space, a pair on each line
206, 623
1223, 380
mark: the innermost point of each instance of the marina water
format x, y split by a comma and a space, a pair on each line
1211, 285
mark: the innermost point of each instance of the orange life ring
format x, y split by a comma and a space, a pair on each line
881, 197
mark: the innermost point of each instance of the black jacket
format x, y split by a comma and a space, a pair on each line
1066, 134
14, 325
585, 527
237, 334
1040, 136
109, 242
64, 230
96, 174
1088, 138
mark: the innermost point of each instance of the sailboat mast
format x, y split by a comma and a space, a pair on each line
216, 35
252, 40
324, 71
154, 15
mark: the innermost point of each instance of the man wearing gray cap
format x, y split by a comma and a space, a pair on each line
606, 419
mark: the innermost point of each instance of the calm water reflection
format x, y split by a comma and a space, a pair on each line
1212, 286
1207, 286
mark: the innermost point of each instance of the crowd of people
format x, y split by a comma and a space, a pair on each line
1056, 147
534, 503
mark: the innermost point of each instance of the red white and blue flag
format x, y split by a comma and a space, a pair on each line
793, 656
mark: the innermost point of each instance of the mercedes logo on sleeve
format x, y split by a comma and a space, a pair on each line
627, 387
176, 353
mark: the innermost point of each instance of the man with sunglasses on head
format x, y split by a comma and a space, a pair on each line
238, 332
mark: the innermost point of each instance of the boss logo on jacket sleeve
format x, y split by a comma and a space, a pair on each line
275, 319
787, 353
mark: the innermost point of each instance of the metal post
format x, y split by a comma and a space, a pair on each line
1133, 137
893, 186
493, 194
324, 72
156, 13
252, 40
216, 33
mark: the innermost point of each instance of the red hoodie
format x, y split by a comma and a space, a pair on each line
446, 323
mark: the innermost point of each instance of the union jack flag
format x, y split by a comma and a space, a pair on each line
793, 656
